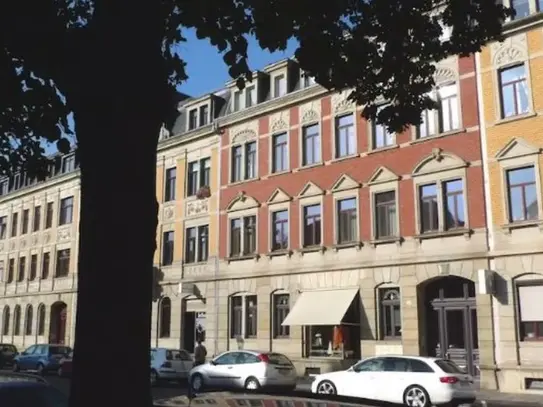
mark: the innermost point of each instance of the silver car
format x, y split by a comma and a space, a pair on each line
244, 369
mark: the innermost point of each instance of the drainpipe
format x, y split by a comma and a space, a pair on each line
218, 240
488, 209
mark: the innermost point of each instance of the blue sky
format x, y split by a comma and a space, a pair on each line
206, 69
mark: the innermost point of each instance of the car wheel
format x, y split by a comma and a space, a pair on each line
252, 384
326, 387
197, 382
15, 367
153, 377
40, 369
416, 396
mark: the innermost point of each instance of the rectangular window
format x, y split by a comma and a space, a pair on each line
193, 119
66, 211
281, 308
243, 236
237, 160
449, 114
68, 163
204, 115
26, 220
63, 263
251, 316
427, 126
280, 153
312, 225
197, 244
385, 215
391, 318
306, 80
14, 224
522, 194
3, 227
198, 175
347, 231
279, 86
11, 270
36, 223
521, 7
167, 248
429, 216
453, 198
250, 96
45, 262
237, 100
22, 269
169, 187
530, 312
381, 136
311, 147
4, 187
345, 136
236, 317
49, 215
33, 267
250, 160
514, 91
280, 232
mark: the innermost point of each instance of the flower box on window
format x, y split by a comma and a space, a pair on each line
203, 193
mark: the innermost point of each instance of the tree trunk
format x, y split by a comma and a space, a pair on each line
119, 96
116, 246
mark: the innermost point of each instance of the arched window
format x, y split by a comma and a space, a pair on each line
165, 317
41, 320
391, 321
17, 321
5, 319
29, 319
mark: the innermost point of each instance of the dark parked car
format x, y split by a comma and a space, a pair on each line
7, 354
22, 390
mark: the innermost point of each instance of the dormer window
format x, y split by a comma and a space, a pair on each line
307, 80
237, 100
279, 86
193, 119
250, 96
68, 163
204, 115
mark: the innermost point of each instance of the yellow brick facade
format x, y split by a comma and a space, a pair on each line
515, 248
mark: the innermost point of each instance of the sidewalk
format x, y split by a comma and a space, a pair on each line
496, 398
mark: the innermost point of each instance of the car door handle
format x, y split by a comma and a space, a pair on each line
230, 367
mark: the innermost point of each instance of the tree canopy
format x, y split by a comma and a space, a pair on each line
115, 64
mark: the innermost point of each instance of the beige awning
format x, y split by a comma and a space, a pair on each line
323, 307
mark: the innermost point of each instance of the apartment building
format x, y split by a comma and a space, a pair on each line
38, 255
510, 74
339, 239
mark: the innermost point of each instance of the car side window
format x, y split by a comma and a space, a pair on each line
169, 355
176, 355
184, 355
227, 359
244, 358
372, 365
41, 350
31, 350
418, 366
395, 365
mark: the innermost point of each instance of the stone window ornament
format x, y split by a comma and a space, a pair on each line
204, 192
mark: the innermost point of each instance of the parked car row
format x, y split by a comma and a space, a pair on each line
42, 359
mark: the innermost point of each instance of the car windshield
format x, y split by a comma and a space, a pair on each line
278, 359
59, 350
448, 366
8, 348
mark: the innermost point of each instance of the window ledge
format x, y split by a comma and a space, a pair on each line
308, 167
311, 249
195, 263
281, 338
509, 227
532, 342
381, 149
447, 233
348, 245
277, 253
515, 118
243, 181
398, 240
254, 256
343, 158
437, 136
276, 174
